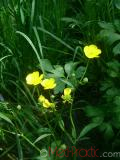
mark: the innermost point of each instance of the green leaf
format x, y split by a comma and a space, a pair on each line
41, 137
117, 4
20, 151
22, 15
56, 38
67, 82
88, 128
60, 87
112, 92
116, 49
113, 68
79, 72
61, 124
108, 131
117, 101
70, 68
109, 37
93, 111
105, 85
4, 117
44, 130
58, 71
107, 26
33, 47
46, 64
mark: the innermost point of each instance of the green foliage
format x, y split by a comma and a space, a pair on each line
49, 37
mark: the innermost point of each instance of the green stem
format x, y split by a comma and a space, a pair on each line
32, 144
84, 72
24, 137
72, 122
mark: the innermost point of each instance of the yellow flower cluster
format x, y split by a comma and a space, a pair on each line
92, 51
35, 79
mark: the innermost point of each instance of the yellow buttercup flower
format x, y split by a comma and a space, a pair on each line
67, 91
49, 83
67, 95
34, 78
92, 51
41, 98
45, 102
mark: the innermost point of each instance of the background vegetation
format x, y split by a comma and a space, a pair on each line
53, 33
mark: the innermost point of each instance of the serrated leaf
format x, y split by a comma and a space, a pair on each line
58, 71
60, 87
46, 64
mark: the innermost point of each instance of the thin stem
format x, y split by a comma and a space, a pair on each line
84, 72
72, 122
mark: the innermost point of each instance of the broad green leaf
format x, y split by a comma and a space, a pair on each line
93, 111
88, 128
108, 131
70, 67
109, 37
117, 4
113, 68
116, 49
107, 26
60, 87
58, 71
112, 92
105, 85
79, 71
117, 101
46, 64
67, 82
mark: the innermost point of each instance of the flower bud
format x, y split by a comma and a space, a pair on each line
85, 80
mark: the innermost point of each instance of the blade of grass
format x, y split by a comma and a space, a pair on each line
56, 38
33, 47
39, 42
